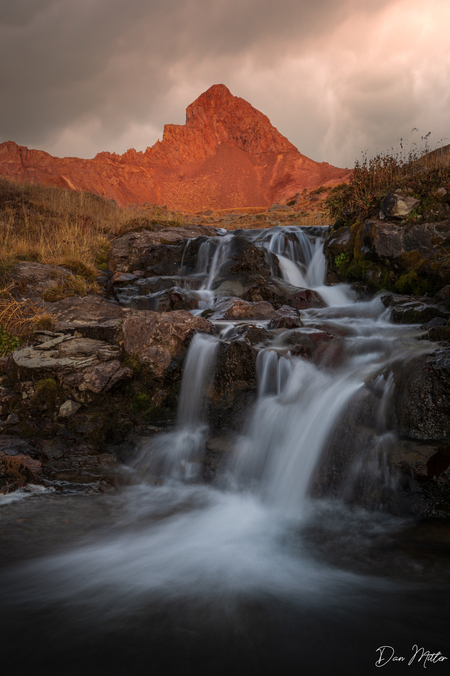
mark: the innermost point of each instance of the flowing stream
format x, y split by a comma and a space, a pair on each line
250, 574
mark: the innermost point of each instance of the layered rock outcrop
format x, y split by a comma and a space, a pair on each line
226, 155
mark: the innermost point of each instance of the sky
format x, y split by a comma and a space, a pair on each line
336, 77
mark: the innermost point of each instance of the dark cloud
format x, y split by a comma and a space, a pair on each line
79, 76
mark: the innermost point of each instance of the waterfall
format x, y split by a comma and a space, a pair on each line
179, 454
289, 430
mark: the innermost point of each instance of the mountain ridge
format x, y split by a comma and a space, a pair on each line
226, 155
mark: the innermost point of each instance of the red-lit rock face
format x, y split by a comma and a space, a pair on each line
227, 155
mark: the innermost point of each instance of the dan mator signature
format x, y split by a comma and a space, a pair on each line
419, 655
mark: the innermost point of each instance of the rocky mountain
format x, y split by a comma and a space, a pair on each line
226, 155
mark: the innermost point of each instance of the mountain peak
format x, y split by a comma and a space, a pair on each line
226, 155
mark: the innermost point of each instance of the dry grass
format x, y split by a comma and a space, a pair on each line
19, 317
418, 173
63, 227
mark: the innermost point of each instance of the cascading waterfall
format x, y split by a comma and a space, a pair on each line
178, 454
192, 569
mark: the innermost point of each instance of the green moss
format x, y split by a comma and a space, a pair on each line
340, 260
8, 342
46, 391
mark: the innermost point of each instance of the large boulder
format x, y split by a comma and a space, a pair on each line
32, 280
278, 292
91, 316
156, 339
160, 250
404, 257
234, 385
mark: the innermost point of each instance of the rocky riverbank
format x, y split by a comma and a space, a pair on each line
78, 397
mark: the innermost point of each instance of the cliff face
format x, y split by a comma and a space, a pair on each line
226, 155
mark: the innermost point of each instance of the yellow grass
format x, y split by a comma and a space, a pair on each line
63, 227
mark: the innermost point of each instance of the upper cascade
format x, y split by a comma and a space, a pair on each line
226, 155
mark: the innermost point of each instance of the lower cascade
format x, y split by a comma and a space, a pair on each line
274, 543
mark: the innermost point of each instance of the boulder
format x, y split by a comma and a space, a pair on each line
160, 250
403, 257
156, 339
286, 318
168, 300
237, 309
32, 280
395, 205
245, 263
234, 385
416, 312
68, 409
278, 292
422, 399
92, 317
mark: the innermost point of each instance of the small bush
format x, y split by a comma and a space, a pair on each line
8, 342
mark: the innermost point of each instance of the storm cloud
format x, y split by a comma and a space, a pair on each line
334, 76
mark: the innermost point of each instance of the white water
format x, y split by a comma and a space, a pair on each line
179, 454
186, 543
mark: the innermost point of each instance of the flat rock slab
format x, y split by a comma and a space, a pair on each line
67, 355
92, 316
236, 309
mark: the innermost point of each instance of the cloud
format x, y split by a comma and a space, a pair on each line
334, 76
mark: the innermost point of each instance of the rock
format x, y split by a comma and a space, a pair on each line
19, 467
422, 399
152, 285
245, 263
121, 278
397, 206
158, 338
407, 258
168, 300
225, 155
68, 409
443, 296
234, 385
92, 317
236, 309
32, 280
416, 312
159, 252
277, 292
286, 318
98, 378
439, 333
52, 448
145, 302
434, 323
59, 357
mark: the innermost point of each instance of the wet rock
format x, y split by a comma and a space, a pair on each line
145, 303
52, 448
172, 299
121, 278
439, 333
68, 409
254, 335
286, 318
416, 312
19, 467
91, 316
234, 385
32, 280
152, 285
246, 263
277, 292
156, 339
443, 296
434, 323
236, 308
219, 451
160, 250
422, 400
